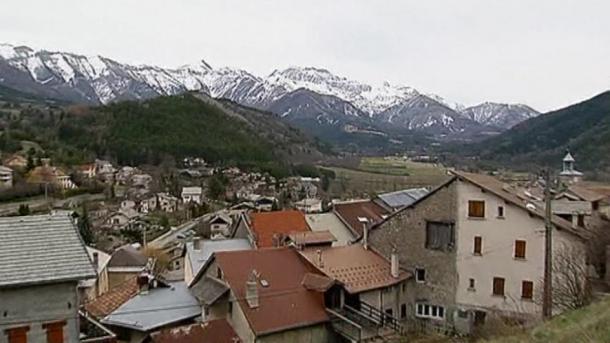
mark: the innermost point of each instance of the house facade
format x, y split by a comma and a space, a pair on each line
475, 249
42, 304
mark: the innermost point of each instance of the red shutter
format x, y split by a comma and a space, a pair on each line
527, 289
55, 331
498, 286
17, 335
519, 249
476, 209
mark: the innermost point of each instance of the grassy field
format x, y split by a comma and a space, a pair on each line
376, 175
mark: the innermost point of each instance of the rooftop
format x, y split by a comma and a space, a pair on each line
351, 213
358, 269
198, 257
106, 303
127, 256
103, 260
402, 198
42, 249
216, 331
268, 225
172, 304
312, 237
192, 190
284, 271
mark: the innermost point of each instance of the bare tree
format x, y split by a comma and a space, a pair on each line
571, 287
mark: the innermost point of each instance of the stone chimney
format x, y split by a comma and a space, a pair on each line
320, 260
252, 290
394, 265
143, 283
96, 261
365, 231
197, 243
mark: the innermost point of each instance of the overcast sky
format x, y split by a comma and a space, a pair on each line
546, 53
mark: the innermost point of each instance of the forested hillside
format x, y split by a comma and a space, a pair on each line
584, 128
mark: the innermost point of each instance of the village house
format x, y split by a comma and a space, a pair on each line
268, 229
192, 195
371, 285
148, 203
47, 174
126, 262
310, 240
357, 214
6, 177
16, 162
198, 251
93, 288
568, 174
167, 203
87, 170
42, 260
133, 321
103, 167
475, 249
309, 205
249, 289
220, 225
330, 222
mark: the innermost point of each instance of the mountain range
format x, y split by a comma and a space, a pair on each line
313, 99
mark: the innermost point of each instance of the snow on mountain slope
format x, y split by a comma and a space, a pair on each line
503, 116
97, 79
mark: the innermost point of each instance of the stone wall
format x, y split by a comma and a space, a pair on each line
406, 232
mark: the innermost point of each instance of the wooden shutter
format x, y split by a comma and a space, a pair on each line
498, 286
476, 209
519, 249
478, 243
527, 289
17, 335
55, 331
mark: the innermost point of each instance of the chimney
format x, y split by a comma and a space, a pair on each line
365, 232
143, 283
252, 290
197, 243
320, 261
394, 267
96, 260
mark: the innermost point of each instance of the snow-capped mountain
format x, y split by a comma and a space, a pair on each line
503, 116
100, 80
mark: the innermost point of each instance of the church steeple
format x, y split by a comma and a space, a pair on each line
568, 173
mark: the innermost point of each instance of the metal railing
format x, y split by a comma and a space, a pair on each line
381, 318
344, 326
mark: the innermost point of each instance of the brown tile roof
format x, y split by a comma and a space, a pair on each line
285, 303
317, 282
358, 269
108, 302
499, 189
349, 213
585, 193
267, 225
214, 331
312, 237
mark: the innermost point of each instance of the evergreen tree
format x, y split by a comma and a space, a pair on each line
84, 226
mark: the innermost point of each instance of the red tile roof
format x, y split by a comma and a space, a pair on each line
285, 303
105, 304
214, 331
349, 212
267, 225
358, 269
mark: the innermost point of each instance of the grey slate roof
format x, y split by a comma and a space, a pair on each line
402, 198
208, 247
209, 290
159, 307
42, 249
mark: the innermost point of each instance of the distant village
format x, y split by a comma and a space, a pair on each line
202, 253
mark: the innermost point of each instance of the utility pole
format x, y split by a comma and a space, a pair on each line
547, 301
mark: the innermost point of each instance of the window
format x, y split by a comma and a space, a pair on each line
527, 290
476, 209
439, 235
230, 309
478, 244
520, 249
581, 220
389, 312
498, 286
17, 335
55, 332
429, 311
420, 275
500, 211
471, 284
219, 273
403, 311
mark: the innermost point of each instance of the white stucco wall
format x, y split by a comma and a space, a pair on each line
497, 258
35, 305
